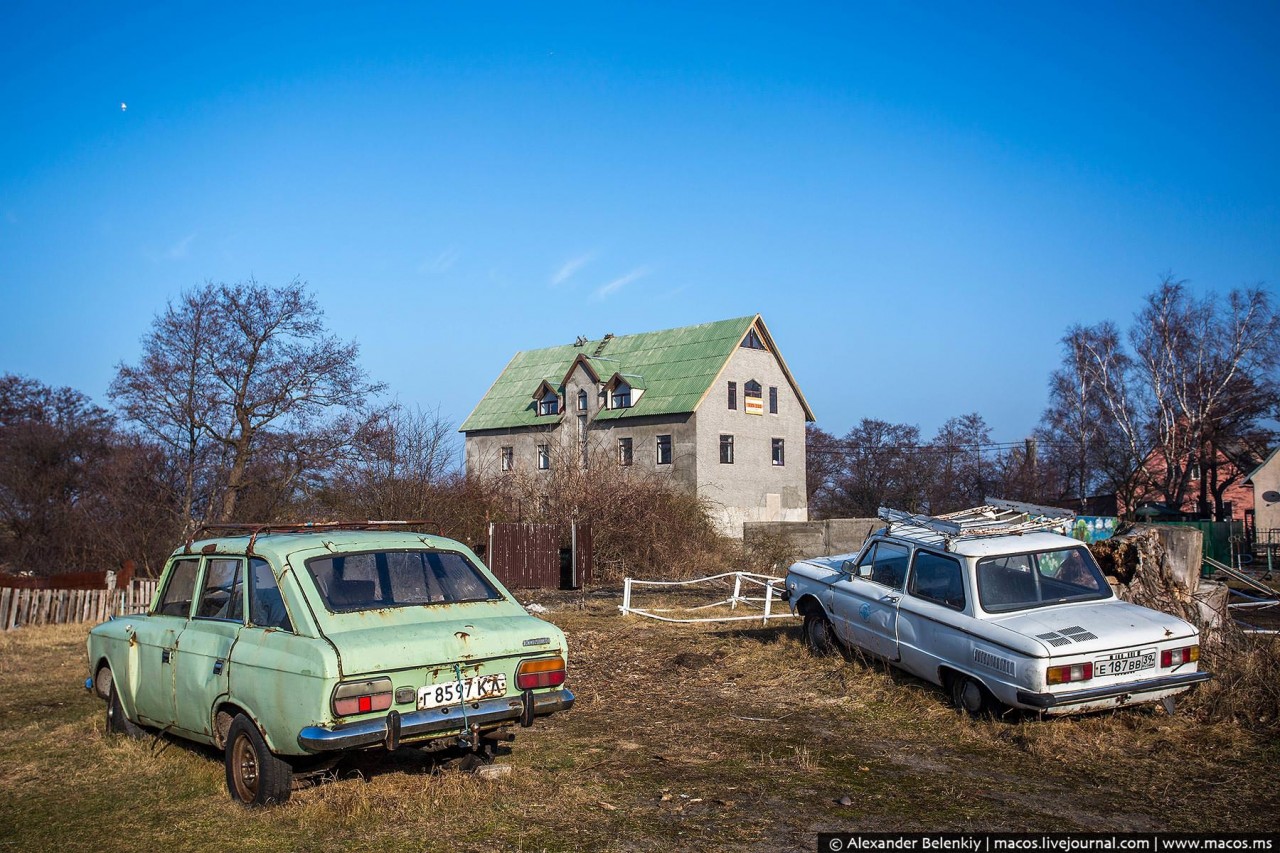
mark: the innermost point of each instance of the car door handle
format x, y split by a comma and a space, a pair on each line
164, 655
217, 667
892, 599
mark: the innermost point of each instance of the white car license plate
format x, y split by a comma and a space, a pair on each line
468, 690
1124, 663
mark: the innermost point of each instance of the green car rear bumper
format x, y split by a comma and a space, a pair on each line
384, 731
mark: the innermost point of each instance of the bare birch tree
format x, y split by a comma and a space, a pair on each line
1200, 380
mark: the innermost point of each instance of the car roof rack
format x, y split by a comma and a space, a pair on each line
256, 529
997, 517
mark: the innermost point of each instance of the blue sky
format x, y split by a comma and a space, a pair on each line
919, 198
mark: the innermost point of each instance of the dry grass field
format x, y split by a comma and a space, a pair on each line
683, 737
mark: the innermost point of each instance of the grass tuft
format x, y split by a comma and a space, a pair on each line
717, 737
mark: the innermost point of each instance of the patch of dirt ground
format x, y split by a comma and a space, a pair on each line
716, 737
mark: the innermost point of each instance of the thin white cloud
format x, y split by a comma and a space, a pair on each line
570, 267
604, 291
178, 250
442, 262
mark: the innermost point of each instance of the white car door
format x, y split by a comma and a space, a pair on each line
865, 603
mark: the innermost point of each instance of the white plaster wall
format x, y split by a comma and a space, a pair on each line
752, 488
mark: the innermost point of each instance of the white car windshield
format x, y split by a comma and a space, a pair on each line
1021, 581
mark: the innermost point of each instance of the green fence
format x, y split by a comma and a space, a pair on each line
1218, 536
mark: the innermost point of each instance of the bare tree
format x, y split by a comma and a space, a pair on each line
50, 441
74, 493
824, 456
1209, 368
883, 466
165, 393
242, 371
1096, 426
402, 459
1200, 380
961, 476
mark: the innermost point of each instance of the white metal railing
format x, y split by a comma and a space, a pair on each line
765, 602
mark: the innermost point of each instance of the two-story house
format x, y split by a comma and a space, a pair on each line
712, 407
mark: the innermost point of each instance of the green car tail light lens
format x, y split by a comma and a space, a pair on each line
362, 697
543, 672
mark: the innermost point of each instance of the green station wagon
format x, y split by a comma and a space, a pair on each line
287, 647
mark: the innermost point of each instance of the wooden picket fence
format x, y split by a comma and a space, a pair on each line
22, 607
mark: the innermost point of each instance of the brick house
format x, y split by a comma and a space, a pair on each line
1198, 502
712, 407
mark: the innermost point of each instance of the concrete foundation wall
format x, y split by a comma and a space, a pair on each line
815, 538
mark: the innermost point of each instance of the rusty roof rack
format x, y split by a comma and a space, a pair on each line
256, 529
996, 517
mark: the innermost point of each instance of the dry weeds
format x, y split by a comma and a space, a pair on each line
726, 737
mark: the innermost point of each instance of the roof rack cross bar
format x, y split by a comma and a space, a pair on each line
254, 529
996, 518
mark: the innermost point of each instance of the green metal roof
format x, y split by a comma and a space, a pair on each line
676, 367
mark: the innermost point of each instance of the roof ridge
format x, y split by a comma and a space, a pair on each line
679, 364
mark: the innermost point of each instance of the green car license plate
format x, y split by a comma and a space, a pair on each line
467, 690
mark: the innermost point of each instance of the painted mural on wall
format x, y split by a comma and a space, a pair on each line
1092, 528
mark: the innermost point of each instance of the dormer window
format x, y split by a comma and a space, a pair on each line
546, 400
582, 401
623, 391
621, 398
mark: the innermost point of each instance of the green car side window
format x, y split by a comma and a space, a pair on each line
223, 594
266, 605
180, 589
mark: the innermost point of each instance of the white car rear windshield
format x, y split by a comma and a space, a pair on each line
1021, 581
377, 579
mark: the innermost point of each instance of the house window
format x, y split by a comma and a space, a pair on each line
752, 399
664, 450
549, 405
582, 401
779, 452
624, 451
733, 395
622, 397
544, 457
773, 399
726, 450
752, 341
506, 458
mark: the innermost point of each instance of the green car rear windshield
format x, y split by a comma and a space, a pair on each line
376, 579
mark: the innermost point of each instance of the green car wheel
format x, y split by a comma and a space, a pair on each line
255, 777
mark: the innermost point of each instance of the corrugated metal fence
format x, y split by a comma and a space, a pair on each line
541, 556
22, 607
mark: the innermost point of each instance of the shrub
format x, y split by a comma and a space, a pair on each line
1244, 687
